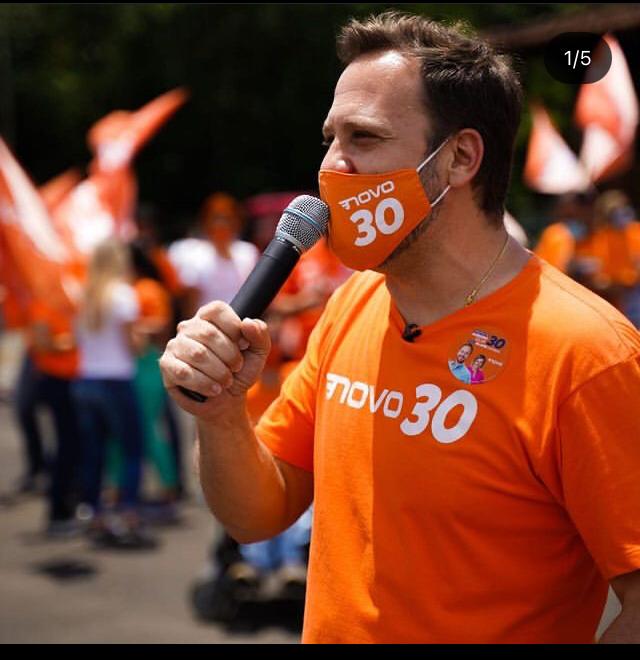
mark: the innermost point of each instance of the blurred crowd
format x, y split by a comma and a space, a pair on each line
595, 238
115, 466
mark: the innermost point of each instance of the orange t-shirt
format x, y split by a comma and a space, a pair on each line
461, 501
59, 363
267, 388
318, 268
169, 274
619, 253
153, 300
557, 246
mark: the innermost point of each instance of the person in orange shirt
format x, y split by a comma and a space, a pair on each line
444, 512
303, 297
616, 245
567, 242
55, 356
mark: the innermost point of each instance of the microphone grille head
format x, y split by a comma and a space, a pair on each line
304, 221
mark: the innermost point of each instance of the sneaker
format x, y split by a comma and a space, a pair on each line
292, 579
63, 529
244, 578
121, 531
131, 539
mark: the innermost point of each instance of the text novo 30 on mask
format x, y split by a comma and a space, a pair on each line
371, 214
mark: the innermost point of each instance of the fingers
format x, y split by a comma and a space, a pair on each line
223, 317
207, 357
177, 372
210, 337
203, 359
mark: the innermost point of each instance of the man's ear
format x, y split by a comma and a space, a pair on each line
467, 154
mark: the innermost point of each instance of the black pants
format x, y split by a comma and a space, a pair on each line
26, 400
36, 389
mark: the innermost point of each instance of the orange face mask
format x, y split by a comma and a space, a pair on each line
220, 234
371, 214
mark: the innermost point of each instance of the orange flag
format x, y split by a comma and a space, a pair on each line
36, 253
103, 204
551, 167
14, 297
54, 191
607, 111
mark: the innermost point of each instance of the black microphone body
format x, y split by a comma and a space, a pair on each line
261, 287
302, 223
266, 279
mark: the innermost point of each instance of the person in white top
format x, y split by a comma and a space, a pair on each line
106, 400
215, 266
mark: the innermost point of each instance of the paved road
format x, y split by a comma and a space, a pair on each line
131, 597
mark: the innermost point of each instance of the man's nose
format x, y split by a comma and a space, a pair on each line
337, 161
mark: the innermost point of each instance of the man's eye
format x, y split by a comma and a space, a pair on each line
364, 136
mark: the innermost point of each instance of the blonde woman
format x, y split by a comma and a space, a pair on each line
105, 395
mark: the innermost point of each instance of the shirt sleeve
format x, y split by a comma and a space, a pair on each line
287, 426
599, 434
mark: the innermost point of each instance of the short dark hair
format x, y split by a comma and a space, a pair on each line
466, 84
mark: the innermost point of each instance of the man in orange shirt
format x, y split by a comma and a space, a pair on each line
495, 511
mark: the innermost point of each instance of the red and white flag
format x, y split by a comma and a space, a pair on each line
607, 111
551, 166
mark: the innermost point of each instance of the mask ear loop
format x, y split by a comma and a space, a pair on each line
425, 161
440, 196
433, 155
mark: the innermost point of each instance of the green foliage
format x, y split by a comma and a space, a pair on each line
261, 79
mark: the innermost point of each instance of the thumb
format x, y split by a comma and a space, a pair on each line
255, 344
256, 333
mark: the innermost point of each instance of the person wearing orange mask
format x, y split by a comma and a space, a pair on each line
494, 511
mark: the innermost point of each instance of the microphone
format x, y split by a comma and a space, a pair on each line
410, 332
300, 227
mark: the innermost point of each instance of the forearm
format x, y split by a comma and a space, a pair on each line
240, 478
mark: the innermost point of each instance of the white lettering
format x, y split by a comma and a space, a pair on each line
432, 394
458, 398
357, 388
366, 232
387, 411
392, 204
374, 406
365, 196
346, 203
333, 380
429, 408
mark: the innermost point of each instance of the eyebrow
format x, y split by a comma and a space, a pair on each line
359, 125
